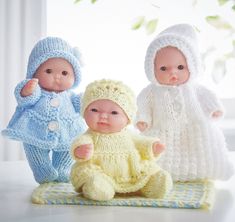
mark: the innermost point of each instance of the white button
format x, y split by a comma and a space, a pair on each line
55, 102
53, 125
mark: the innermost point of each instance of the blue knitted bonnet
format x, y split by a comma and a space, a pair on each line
54, 47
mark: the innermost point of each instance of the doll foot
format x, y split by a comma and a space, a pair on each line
62, 162
45, 175
158, 185
63, 176
98, 188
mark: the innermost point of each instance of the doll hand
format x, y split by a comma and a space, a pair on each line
29, 87
157, 148
217, 114
142, 126
84, 151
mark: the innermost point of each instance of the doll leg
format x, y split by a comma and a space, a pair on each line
92, 182
62, 161
40, 164
98, 188
158, 185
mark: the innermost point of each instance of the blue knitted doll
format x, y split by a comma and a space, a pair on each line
47, 116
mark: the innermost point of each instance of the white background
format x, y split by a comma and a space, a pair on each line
111, 49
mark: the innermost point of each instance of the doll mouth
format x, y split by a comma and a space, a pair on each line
173, 79
103, 124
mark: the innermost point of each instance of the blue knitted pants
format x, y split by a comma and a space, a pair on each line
46, 167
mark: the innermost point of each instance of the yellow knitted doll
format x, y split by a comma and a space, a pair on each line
109, 158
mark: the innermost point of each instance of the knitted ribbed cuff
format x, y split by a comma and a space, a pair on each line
145, 146
76, 100
216, 107
81, 140
27, 100
142, 118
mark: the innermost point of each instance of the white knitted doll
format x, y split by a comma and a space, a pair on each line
181, 112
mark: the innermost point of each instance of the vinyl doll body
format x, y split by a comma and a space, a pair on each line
180, 111
109, 158
47, 116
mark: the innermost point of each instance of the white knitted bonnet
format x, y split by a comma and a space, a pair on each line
181, 36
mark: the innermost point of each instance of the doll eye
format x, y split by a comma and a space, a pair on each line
114, 112
48, 71
65, 73
94, 110
180, 67
163, 68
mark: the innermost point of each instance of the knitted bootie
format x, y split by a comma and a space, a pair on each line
63, 176
62, 162
158, 185
97, 188
44, 174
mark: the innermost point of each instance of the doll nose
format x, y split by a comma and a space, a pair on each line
173, 71
103, 115
57, 76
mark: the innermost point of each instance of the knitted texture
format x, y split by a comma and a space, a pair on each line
181, 36
40, 164
181, 116
112, 90
45, 170
45, 121
54, 47
193, 195
121, 162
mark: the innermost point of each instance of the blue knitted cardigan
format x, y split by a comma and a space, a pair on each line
40, 122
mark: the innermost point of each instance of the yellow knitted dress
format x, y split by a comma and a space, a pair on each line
121, 163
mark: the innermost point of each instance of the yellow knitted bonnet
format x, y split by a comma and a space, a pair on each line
112, 90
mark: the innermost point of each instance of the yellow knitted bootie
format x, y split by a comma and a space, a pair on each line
97, 188
158, 185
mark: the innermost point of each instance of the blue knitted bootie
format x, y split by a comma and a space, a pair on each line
40, 164
45, 174
62, 162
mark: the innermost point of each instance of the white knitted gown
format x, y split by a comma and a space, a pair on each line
180, 116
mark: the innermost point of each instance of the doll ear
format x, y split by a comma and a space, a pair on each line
78, 55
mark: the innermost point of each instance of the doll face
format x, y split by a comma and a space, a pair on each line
105, 116
55, 75
170, 67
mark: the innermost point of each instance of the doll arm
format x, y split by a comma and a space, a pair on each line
209, 102
26, 101
82, 148
144, 112
76, 101
149, 148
